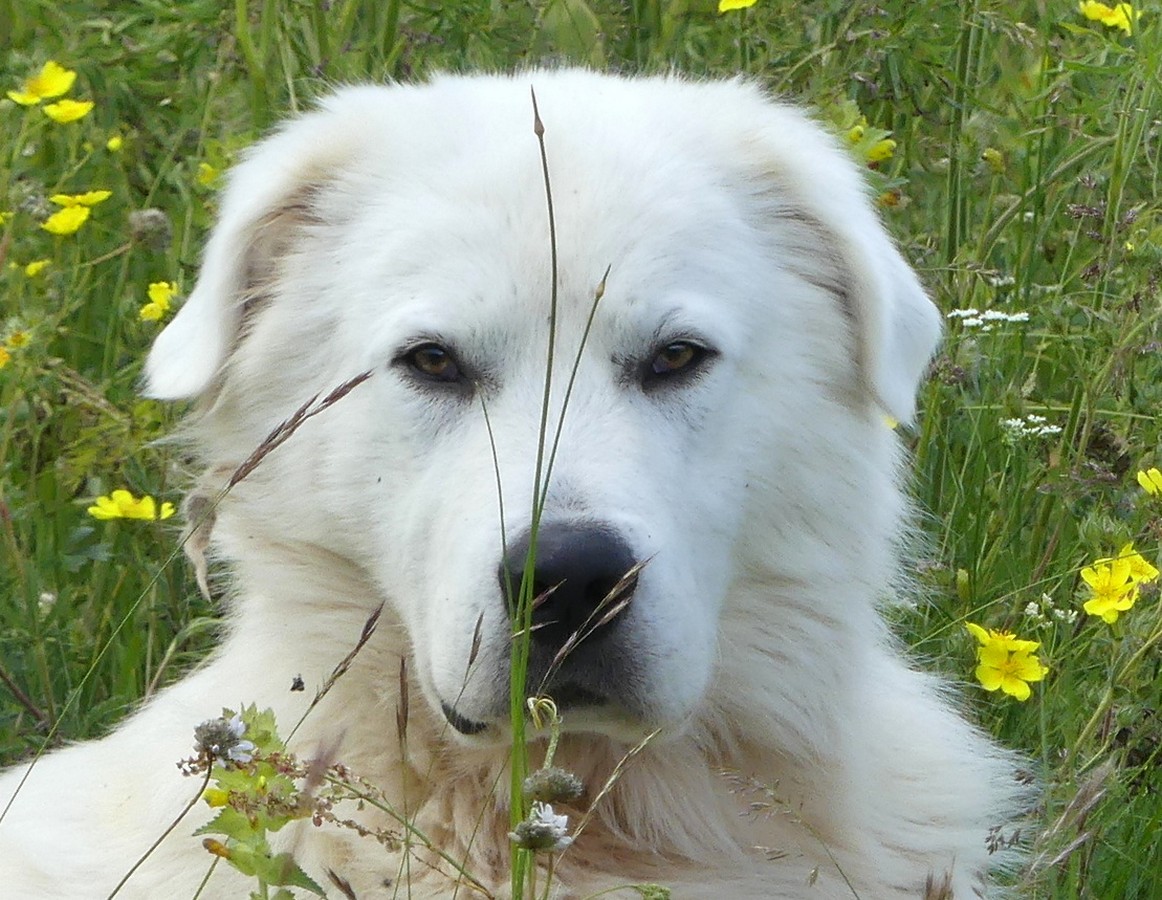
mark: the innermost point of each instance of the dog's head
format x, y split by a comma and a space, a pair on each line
730, 321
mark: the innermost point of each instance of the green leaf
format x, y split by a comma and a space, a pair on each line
283, 870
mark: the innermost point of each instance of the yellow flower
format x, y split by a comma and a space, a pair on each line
207, 174
871, 144
160, 295
67, 220
881, 150
5, 356
123, 505
728, 5
1002, 639
216, 797
52, 81
89, 198
115, 143
1141, 571
1151, 482
17, 340
1114, 590
35, 267
75, 213
65, 111
1121, 16
1005, 662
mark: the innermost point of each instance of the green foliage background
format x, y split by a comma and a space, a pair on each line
1025, 179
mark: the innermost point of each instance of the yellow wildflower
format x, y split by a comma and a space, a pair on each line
52, 81
5, 357
871, 144
65, 111
89, 198
123, 505
729, 5
115, 143
1122, 16
994, 159
35, 267
67, 220
207, 174
75, 213
18, 339
160, 295
881, 150
1141, 571
1114, 583
1006, 662
1151, 482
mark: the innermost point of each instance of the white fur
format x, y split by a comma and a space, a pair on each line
764, 495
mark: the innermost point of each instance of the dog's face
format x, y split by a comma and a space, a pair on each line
714, 256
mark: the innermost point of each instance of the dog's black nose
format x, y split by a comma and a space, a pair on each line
577, 568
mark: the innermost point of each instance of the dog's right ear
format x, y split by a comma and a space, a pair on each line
266, 198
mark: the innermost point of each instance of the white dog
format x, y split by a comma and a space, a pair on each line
726, 429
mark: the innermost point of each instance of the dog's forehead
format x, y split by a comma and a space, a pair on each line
451, 208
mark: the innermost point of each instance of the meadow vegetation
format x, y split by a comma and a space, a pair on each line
1014, 149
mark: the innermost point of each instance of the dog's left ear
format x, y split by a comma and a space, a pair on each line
816, 182
899, 326
266, 200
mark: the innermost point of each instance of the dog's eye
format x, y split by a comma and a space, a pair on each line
434, 362
675, 358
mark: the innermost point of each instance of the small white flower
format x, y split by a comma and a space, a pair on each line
1031, 426
221, 738
971, 317
1068, 616
542, 830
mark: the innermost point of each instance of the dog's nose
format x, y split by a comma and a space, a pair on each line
577, 568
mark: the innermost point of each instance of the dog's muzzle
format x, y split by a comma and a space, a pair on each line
584, 575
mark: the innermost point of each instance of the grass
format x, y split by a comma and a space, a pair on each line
1024, 179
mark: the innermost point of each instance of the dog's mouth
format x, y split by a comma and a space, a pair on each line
567, 696
462, 724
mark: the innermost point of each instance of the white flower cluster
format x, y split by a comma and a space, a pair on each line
221, 739
542, 830
971, 317
1043, 612
1032, 426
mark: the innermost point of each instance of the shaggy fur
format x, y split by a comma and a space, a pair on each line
800, 755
